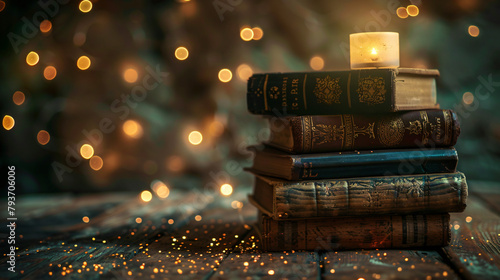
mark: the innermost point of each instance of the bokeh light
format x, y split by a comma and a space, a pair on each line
146, 196
85, 6
43, 137
8, 122
96, 163
468, 98
401, 12
258, 33
83, 62
225, 75
18, 97
138, 220
32, 58
473, 31
412, 10
175, 163
197, 218
181, 53
130, 75
85, 219
162, 191
86, 151
132, 128
45, 26
246, 34
195, 137
50, 72
244, 72
2, 5
317, 63
226, 189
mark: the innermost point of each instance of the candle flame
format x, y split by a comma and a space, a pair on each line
374, 55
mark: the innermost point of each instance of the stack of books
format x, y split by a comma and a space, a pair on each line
357, 159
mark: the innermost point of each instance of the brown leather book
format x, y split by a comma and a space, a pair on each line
424, 194
385, 231
310, 134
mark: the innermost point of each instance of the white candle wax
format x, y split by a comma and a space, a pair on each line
374, 49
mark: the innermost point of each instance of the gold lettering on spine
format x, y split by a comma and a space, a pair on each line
304, 91
265, 93
447, 127
308, 170
349, 132
307, 120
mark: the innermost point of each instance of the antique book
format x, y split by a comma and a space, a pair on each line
345, 233
275, 163
342, 92
428, 193
312, 134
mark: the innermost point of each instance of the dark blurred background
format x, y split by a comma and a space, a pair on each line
165, 75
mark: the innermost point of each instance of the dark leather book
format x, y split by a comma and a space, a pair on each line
342, 92
272, 162
312, 134
423, 194
376, 232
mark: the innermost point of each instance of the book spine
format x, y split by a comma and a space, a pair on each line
425, 128
390, 231
321, 93
429, 193
370, 164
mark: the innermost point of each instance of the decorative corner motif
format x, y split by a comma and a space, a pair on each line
258, 92
327, 90
415, 127
390, 131
410, 187
371, 90
323, 133
274, 92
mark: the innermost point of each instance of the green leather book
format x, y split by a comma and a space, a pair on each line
363, 91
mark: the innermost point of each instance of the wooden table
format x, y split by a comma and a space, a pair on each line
204, 236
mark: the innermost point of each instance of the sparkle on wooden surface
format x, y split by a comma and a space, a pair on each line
32, 58
43, 137
18, 97
8, 122
86, 151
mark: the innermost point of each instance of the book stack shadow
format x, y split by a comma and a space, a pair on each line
357, 159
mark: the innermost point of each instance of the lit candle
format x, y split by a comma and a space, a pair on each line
374, 49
